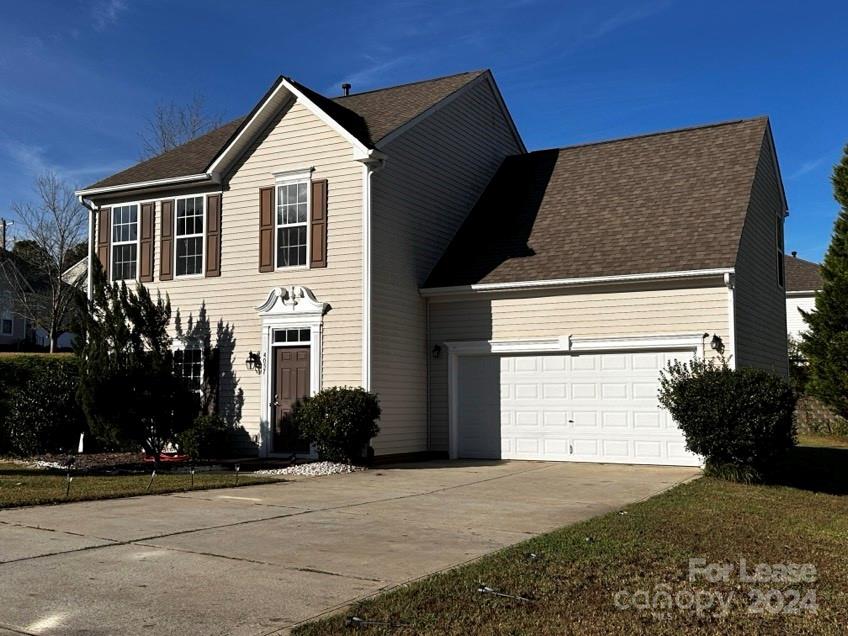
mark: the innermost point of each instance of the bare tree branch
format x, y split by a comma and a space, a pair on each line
174, 124
54, 226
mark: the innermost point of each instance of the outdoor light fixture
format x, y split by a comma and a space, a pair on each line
253, 361
437, 351
716, 344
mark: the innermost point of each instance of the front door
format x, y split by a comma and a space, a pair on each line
291, 383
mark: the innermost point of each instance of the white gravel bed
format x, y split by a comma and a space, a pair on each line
313, 469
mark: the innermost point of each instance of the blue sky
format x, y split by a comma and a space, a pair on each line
79, 77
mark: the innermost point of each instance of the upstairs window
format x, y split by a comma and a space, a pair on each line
124, 242
189, 234
292, 223
781, 265
188, 364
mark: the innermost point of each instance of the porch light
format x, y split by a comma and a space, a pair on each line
437, 351
253, 361
717, 344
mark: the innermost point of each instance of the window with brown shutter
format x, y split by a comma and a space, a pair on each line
213, 235
266, 229
318, 224
104, 231
145, 272
166, 248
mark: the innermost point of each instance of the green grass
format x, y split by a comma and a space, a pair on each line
22, 486
572, 584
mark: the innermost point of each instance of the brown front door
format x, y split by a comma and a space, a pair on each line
291, 383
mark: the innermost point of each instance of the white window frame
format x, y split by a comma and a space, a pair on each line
113, 243
285, 179
182, 346
202, 236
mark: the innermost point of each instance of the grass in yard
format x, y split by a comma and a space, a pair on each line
22, 486
573, 582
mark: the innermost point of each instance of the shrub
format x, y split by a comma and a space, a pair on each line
38, 408
208, 437
340, 421
739, 420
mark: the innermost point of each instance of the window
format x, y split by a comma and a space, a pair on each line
6, 324
188, 364
781, 265
291, 336
124, 242
292, 221
189, 236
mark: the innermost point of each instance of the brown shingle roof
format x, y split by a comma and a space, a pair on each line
368, 116
672, 201
802, 275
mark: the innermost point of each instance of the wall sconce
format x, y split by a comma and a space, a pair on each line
254, 362
717, 344
437, 351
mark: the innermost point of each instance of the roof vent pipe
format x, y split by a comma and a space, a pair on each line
346, 88
795, 254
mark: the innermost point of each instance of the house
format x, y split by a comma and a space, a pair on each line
501, 303
14, 329
803, 280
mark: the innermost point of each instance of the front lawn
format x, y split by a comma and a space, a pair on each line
581, 574
23, 486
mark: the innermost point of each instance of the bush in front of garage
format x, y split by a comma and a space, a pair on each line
739, 420
340, 422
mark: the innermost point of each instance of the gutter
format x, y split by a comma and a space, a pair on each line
145, 184
92, 209
429, 292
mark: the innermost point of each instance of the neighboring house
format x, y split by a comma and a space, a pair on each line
14, 329
501, 303
803, 280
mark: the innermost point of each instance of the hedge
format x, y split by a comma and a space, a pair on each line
38, 408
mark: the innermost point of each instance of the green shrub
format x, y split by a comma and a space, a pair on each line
208, 437
340, 421
739, 420
38, 407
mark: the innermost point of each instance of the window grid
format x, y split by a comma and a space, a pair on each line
124, 242
188, 364
292, 336
292, 223
189, 233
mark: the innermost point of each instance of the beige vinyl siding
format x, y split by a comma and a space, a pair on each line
760, 301
435, 172
298, 141
524, 316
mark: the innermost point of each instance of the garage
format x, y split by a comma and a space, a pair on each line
587, 407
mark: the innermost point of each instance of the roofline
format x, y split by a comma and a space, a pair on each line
571, 282
801, 292
776, 166
144, 184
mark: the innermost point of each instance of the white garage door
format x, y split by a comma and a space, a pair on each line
588, 407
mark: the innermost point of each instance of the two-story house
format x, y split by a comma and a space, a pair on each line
501, 303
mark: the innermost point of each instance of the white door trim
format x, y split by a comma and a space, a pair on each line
287, 308
562, 344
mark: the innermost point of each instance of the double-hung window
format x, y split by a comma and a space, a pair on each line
781, 265
292, 222
188, 364
124, 242
189, 234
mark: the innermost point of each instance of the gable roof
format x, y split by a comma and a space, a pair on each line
369, 117
802, 275
664, 202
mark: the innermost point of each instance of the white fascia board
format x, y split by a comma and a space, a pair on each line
571, 282
807, 293
143, 184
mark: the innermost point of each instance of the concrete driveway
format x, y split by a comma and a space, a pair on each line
259, 559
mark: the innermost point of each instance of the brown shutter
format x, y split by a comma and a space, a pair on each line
213, 235
318, 225
104, 233
266, 229
148, 214
166, 249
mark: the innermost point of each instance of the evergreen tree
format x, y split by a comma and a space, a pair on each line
825, 344
129, 391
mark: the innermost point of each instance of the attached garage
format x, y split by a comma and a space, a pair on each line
584, 406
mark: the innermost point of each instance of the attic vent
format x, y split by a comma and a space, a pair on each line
346, 89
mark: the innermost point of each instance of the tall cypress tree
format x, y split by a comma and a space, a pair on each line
825, 344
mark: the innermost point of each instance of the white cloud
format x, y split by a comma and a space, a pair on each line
105, 13
369, 76
628, 16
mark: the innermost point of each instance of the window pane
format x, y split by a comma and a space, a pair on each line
304, 335
301, 212
7, 326
301, 193
123, 261
189, 256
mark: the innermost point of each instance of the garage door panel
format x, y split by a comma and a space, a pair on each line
587, 407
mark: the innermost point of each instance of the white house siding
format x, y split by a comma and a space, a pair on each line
760, 301
795, 323
642, 312
434, 174
300, 140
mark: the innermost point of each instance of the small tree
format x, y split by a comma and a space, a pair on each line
174, 124
128, 389
54, 227
825, 343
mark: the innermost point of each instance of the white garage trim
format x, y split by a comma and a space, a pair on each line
563, 344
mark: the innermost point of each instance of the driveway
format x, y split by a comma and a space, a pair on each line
259, 559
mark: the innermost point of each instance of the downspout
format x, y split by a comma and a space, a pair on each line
92, 208
730, 283
370, 165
